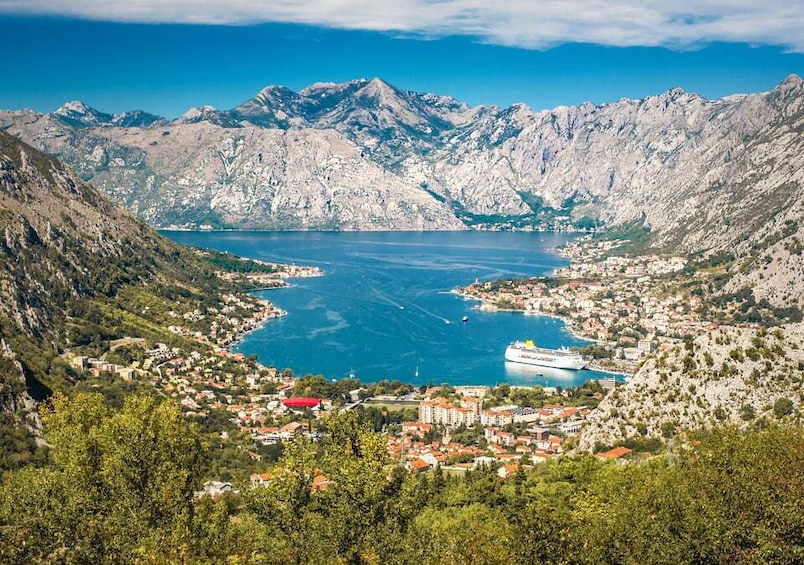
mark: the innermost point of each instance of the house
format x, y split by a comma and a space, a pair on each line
260, 479
216, 488
617, 454
496, 418
476, 391
555, 444
483, 461
290, 431
417, 465
496, 449
320, 482
504, 438
509, 457
571, 427
507, 470
433, 457
525, 414
416, 428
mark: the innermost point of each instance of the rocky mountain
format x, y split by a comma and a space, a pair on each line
62, 243
732, 375
76, 269
703, 175
79, 115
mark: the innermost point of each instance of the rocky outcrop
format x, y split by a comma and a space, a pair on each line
730, 375
14, 397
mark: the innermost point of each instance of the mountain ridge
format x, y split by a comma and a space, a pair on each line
701, 175
67, 256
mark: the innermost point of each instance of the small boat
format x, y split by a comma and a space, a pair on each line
465, 319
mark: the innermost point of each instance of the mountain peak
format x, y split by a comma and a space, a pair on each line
275, 92
74, 107
136, 118
78, 114
380, 90
197, 111
674, 93
790, 90
208, 114
377, 82
792, 82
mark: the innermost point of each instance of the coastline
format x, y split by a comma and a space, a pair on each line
486, 306
269, 311
254, 344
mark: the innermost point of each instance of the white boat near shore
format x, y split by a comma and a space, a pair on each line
527, 353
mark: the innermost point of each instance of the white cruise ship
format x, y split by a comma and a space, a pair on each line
526, 352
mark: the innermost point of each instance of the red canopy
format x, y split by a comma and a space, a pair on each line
301, 402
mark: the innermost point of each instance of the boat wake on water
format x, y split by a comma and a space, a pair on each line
434, 315
385, 298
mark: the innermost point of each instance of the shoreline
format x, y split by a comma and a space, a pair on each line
269, 311
485, 306
282, 278
569, 326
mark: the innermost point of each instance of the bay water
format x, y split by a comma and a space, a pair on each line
384, 307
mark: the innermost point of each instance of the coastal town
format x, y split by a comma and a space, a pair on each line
627, 306
456, 428
621, 303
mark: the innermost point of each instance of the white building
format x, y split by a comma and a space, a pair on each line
442, 411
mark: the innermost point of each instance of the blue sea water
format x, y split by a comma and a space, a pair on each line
384, 307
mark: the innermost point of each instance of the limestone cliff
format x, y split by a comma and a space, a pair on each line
705, 176
731, 375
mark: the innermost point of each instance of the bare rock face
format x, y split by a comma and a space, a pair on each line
703, 175
58, 237
731, 375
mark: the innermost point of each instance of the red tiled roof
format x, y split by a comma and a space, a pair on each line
419, 464
320, 482
615, 453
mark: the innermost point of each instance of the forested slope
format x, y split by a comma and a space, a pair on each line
120, 489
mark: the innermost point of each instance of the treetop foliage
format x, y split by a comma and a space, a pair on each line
120, 485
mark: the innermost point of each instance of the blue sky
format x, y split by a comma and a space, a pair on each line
131, 54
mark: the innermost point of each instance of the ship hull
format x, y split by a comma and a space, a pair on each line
517, 353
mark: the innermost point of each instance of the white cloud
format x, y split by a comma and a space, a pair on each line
521, 23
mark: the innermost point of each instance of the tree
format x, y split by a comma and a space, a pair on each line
466, 534
285, 505
502, 391
355, 459
783, 407
121, 484
734, 498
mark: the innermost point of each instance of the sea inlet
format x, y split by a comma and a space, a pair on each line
384, 308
